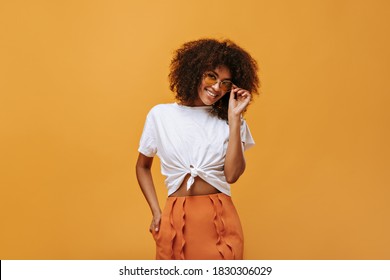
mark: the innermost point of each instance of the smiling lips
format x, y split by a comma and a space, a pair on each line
213, 95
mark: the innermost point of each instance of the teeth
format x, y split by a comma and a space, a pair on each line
212, 94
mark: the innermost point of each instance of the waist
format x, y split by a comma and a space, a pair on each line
199, 187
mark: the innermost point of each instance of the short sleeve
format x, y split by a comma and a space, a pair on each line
148, 144
246, 136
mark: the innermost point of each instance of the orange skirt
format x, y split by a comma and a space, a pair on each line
205, 227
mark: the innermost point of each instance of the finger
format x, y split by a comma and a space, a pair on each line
244, 94
232, 94
241, 91
156, 225
153, 228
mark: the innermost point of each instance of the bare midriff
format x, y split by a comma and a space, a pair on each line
199, 187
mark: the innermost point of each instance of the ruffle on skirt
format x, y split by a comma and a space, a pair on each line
199, 227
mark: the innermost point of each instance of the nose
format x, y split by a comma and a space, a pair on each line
216, 86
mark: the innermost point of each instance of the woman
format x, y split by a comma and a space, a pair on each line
200, 141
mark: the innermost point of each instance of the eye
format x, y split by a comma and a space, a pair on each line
211, 76
227, 83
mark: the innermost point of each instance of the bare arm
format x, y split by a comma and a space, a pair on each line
145, 181
235, 160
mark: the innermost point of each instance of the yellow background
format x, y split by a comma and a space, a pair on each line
77, 79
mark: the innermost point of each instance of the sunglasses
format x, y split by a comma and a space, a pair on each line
211, 79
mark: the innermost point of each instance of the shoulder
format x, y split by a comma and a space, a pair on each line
161, 109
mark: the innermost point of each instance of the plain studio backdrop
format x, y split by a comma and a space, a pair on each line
77, 79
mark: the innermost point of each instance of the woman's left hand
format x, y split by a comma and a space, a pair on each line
239, 100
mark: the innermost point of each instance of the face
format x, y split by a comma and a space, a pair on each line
209, 94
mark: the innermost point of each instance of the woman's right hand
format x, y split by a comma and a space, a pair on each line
145, 181
155, 224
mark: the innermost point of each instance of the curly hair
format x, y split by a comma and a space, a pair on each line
194, 58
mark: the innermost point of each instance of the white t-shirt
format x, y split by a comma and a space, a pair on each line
189, 140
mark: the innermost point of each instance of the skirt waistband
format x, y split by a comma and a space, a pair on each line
203, 196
